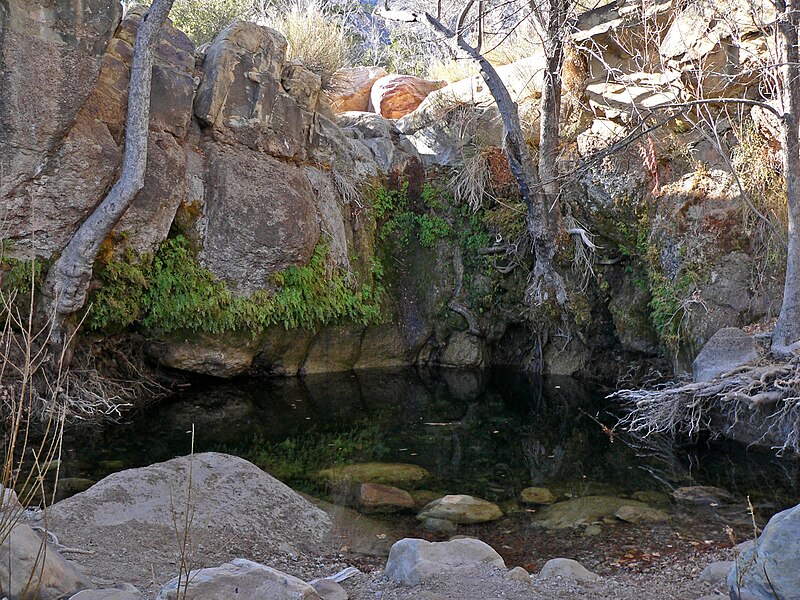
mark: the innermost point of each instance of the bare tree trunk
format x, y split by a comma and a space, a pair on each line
549, 124
530, 182
545, 279
67, 281
787, 330
549, 119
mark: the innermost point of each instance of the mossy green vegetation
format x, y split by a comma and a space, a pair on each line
435, 217
669, 296
171, 291
20, 276
668, 300
20, 281
394, 214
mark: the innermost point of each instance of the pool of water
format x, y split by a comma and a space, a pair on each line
486, 433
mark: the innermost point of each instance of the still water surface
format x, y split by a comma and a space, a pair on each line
487, 433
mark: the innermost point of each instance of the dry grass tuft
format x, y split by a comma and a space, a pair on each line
451, 71
316, 37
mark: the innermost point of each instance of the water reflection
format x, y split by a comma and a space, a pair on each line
488, 433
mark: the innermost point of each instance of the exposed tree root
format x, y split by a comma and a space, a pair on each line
455, 305
764, 394
88, 391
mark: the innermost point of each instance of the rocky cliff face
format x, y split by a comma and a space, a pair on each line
251, 164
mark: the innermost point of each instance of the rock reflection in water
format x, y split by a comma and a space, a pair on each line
488, 433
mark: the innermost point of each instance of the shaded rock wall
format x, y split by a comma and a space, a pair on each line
245, 150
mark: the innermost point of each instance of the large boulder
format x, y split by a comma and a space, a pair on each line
727, 349
770, 568
461, 509
233, 507
395, 96
51, 59
465, 113
27, 563
413, 561
241, 95
350, 88
260, 217
240, 577
74, 170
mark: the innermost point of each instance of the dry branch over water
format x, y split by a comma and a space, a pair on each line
766, 391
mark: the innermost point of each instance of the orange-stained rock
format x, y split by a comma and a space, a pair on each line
394, 96
350, 88
376, 497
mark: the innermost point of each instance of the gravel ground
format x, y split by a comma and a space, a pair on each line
676, 581
635, 562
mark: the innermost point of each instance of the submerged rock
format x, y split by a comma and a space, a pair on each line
401, 475
461, 509
584, 511
375, 497
702, 494
413, 561
440, 526
242, 578
640, 514
536, 495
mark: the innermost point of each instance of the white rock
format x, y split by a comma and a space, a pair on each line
567, 568
240, 578
412, 561
21, 567
717, 572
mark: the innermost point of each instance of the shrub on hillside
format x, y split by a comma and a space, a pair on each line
202, 20
315, 35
